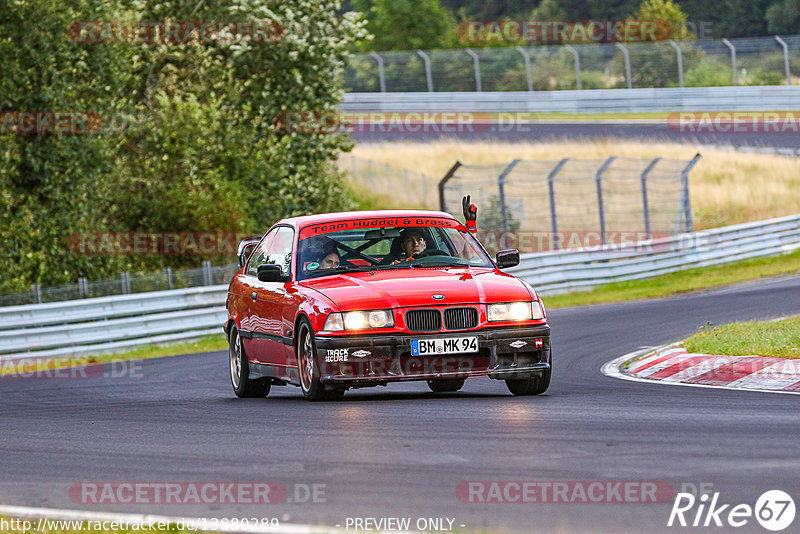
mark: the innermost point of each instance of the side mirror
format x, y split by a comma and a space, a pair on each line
270, 272
507, 258
244, 249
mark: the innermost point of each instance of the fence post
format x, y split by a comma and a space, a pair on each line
686, 204
125, 282
168, 274
646, 205
36, 289
477, 63
577, 65
528, 74
552, 192
680, 61
627, 68
600, 207
785, 58
428, 76
501, 182
733, 60
83, 287
207, 281
381, 73
443, 182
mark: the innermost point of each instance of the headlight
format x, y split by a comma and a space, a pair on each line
359, 320
515, 311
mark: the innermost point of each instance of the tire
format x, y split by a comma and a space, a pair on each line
243, 386
444, 386
310, 384
531, 386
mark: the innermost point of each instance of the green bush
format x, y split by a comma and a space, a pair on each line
708, 73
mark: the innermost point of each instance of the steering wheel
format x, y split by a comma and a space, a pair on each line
431, 252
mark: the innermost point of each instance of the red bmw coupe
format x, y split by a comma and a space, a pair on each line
347, 300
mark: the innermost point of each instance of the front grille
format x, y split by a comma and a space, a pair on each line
424, 320
460, 318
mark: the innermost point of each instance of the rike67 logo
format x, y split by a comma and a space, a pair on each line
774, 510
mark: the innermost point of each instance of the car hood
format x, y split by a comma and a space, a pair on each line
397, 288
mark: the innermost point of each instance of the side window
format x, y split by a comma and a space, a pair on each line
279, 251
258, 255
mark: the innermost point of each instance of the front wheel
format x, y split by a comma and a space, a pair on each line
531, 386
243, 386
313, 389
445, 386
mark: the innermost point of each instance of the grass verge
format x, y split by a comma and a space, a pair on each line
681, 281
778, 339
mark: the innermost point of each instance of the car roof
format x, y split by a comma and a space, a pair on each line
305, 220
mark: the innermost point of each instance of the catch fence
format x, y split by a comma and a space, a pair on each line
690, 63
571, 200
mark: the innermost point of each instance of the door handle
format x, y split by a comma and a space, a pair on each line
253, 295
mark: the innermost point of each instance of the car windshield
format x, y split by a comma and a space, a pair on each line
386, 243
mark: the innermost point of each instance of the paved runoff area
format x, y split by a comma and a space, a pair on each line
673, 363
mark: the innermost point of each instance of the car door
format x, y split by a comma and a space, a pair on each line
248, 289
270, 312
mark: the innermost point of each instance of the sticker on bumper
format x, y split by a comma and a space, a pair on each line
420, 347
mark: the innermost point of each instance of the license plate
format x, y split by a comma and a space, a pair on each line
452, 345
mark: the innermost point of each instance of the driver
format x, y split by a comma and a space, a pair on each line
328, 257
412, 242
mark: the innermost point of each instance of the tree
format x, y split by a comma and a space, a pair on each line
668, 11
783, 16
407, 24
54, 184
194, 145
549, 10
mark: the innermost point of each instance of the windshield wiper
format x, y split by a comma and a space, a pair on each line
439, 264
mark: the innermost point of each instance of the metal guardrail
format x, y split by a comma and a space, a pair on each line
743, 98
570, 270
107, 324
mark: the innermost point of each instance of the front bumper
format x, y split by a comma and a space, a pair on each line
503, 353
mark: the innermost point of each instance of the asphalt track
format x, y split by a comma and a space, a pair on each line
402, 451
543, 131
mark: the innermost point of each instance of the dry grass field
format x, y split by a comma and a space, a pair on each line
726, 187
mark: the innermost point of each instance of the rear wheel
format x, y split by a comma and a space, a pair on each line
313, 389
444, 386
531, 386
243, 386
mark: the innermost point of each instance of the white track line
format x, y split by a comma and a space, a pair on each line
148, 519
612, 369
